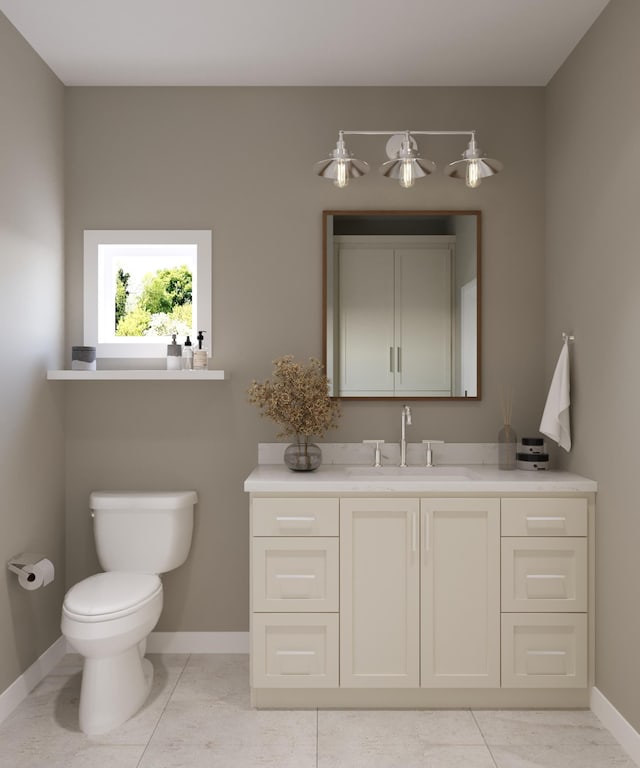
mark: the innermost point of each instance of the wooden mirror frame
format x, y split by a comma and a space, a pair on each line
407, 213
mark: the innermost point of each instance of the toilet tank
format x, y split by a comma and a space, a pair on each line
142, 532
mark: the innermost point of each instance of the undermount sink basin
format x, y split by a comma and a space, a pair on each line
441, 474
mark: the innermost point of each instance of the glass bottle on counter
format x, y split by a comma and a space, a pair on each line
507, 443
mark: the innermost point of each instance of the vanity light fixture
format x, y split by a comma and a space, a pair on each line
405, 163
341, 165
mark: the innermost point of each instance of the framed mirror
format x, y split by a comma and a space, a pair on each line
401, 293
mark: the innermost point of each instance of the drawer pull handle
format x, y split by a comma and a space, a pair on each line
546, 576
295, 575
295, 653
295, 519
546, 519
547, 653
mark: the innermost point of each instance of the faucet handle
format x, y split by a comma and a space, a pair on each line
429, 443
377, 462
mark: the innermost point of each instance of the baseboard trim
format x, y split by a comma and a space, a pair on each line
18, 691
198, 642
623, 732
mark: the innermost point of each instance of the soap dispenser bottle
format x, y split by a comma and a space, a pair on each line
200, 362
187, 355
174, 355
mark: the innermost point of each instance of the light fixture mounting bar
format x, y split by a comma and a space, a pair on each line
413, 133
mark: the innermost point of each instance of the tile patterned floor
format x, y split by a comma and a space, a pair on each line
198, 716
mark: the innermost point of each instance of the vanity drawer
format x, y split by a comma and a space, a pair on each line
544, 574
544, 650
295, 650
544, 517
295, 574
295, 517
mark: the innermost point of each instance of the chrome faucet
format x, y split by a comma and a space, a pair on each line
406, 420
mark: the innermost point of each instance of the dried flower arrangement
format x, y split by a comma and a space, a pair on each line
296, 398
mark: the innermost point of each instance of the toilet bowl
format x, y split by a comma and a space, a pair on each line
107, 617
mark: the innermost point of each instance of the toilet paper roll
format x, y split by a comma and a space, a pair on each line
36, 575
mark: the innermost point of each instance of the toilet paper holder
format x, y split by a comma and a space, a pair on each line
23, 566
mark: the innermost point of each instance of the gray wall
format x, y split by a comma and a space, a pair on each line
592, 277
31, 319
215, 158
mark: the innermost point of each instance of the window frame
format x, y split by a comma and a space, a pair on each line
94, 302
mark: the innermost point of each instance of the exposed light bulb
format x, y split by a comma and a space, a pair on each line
407, 175
342, 173
473, 177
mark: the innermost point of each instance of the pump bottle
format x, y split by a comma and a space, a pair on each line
174, 355
187, 355
200, 355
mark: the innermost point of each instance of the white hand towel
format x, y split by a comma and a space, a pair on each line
556, 422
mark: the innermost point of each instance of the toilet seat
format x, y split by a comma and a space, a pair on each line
111, 595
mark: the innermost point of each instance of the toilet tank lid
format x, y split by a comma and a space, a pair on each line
142, 499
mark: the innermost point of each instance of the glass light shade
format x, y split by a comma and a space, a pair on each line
473, 174
407, 175
342, 173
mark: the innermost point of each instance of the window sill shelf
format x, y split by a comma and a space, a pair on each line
150, 375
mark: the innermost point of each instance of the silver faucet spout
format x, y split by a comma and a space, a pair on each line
406, 420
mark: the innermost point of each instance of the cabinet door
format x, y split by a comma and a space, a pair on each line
460, 593
395, 320
366, 320
423, 321
379, 593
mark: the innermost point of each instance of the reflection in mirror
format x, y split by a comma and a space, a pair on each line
402, 304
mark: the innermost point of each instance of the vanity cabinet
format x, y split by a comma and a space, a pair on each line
401, 599
294, 592
544, 592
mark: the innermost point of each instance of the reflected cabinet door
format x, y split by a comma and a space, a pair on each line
395, 316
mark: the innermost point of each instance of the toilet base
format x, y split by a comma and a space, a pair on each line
113, 690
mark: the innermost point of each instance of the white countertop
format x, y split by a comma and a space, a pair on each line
480, 478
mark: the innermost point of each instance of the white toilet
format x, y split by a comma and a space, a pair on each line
107, 617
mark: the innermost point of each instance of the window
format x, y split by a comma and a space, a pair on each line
140, 286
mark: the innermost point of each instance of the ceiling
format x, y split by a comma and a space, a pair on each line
303, 42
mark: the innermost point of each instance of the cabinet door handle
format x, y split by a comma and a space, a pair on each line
390, 359
546, 653
295, 653
295, 519
399, 360
427, 533
414, 531
547, 519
